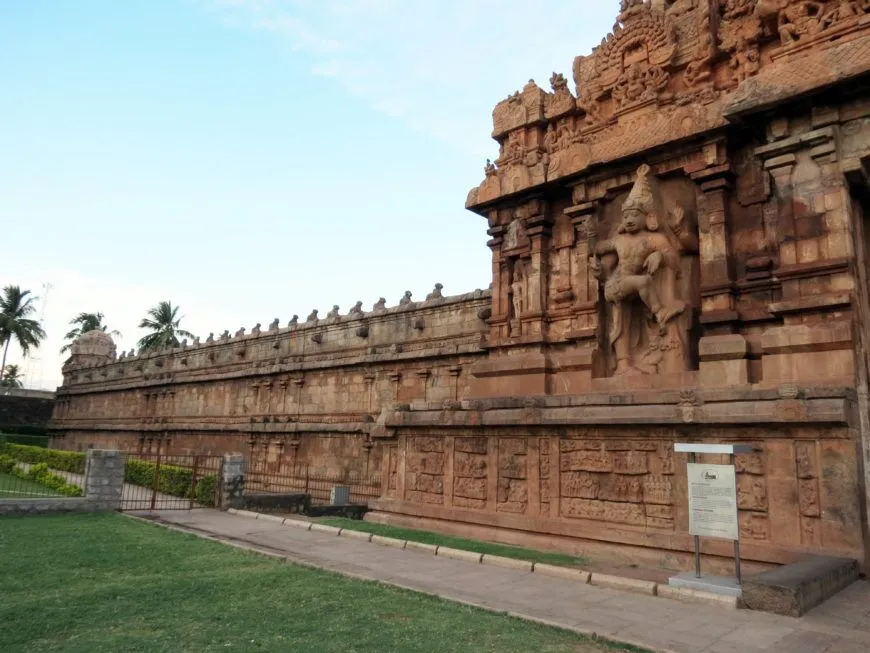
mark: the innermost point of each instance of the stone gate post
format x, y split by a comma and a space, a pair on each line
104, 478
233, 480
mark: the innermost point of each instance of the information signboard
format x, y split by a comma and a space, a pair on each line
713, 501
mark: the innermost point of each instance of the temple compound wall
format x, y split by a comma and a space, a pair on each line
679, 253
308, 394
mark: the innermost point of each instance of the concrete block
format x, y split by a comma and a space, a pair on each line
424, 548
356, 535
507, 563
388, 541
562, 572
688, 595
792, 590
298, 523
624, 584
323, 528
458, 554
274, 518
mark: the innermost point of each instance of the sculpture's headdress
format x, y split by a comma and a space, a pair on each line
641, 198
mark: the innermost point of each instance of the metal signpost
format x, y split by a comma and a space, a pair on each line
713, 498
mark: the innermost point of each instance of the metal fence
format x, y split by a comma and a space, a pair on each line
318, 484
171, 482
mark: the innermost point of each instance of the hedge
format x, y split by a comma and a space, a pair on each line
65, 461
40, 474
22, 438
173, 480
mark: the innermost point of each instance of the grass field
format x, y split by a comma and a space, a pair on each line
12, 486
105, 584
428, 537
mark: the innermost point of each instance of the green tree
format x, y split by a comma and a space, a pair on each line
163, 322
84, 322
16, 306
11, 377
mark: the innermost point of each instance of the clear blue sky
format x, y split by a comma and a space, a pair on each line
252, 159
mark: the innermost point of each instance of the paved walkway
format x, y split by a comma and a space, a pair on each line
842, 625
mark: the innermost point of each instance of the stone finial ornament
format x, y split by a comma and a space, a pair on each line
274, 325
256, 330
294, 321
240, 333
357, 309
436, 292
225, 335
210, 337
406, 299
380, 306
312, 317
196, 341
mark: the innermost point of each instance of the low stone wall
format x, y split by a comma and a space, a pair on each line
103, 486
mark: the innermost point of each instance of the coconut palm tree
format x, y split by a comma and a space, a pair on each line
15, 324
84, 322
163, 321
11, 377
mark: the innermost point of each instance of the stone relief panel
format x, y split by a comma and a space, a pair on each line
470, 473
620, 481
752, 500
424, 470
646, 262
513, 491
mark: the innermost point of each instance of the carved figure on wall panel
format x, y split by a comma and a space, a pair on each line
800, 19
640, 268
518, 286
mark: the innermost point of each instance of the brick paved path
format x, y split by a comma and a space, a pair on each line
842, 625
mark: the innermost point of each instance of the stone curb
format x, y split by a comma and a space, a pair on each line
562, 572
420, 546
507, 563
689, 595
459, 554
649, 588
348, 574
388, 541
355, 535
625, 584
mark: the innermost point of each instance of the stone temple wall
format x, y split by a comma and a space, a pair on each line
307, 394
680, 252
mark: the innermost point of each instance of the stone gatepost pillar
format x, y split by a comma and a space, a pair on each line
232, 480
104, 478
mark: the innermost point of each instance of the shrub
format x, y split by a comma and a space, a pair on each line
7, 464
65, 461
206, 490
42, 475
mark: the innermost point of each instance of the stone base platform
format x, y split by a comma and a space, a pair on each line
706, 583
793, 590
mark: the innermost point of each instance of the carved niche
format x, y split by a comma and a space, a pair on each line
646, 261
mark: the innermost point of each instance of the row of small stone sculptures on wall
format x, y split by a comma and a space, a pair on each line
356, 312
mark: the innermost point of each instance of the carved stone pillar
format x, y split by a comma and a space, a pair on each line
584, 217
538, 231
501, 287
718, 309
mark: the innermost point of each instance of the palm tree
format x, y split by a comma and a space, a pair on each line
11, 377
15, 307
83, 323
163, 322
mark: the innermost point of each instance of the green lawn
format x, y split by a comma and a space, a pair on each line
107, 584
12, 486
428, 537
